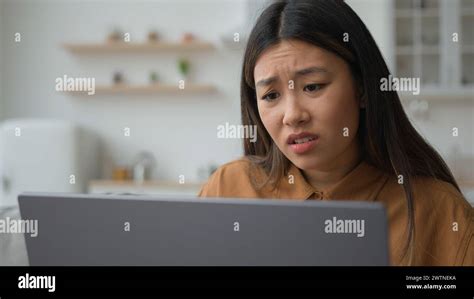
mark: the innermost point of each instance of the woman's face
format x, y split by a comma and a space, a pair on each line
308, 93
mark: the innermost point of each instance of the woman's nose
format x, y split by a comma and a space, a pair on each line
295, 113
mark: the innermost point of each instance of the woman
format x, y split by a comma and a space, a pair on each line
326, 130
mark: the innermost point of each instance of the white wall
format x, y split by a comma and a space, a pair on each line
1, 60
378, 17
179, 130
443, 115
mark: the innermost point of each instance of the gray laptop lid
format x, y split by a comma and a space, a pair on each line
79, 229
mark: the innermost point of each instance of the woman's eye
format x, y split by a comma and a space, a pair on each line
313, 87
270, 96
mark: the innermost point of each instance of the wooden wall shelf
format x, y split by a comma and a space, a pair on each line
145, 188
148, 183
128, 47
150, 89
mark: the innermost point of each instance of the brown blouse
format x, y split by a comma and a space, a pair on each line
444, 220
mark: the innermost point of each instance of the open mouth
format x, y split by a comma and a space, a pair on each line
303, 140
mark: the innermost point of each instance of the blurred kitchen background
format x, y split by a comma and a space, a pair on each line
141, 133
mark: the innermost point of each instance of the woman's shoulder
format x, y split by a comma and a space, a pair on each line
447, 219
233, 179
444, 219
430, 197
439, 193
236, 170
233, 167
427, 190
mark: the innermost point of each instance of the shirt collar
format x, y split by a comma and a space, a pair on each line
364, 182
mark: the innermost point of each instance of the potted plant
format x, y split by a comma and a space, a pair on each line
184, 66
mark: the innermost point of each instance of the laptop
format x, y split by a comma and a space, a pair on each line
143, 230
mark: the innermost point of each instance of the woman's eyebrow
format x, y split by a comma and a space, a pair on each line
267, 81
303, 72
310, 70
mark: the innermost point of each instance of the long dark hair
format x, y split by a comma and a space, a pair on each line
388, 140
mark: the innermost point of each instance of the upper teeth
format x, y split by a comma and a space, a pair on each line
303, 140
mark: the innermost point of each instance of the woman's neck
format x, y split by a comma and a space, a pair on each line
327, 176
